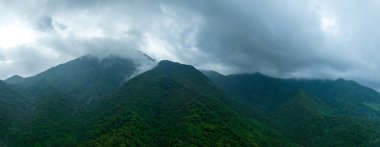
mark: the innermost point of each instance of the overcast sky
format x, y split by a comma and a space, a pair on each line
281, 38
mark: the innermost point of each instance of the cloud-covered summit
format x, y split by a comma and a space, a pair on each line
294, 38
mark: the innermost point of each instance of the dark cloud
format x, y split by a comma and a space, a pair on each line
295, 38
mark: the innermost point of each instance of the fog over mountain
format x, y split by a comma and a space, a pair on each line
294, 38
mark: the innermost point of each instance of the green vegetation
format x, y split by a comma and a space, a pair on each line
373, 106
12, 113
310, 112
88, 102
307, 122
54, 121
87, 78
174, 105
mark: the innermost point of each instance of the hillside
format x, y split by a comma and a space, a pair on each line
55, 120
310, 112
105, 102
309, 122
171, 105
341, 96
12, 112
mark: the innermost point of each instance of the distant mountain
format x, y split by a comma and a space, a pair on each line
174, 105
14, 79
311, 112
86, 78
343, 97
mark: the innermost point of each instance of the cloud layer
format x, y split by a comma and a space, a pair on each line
294, 38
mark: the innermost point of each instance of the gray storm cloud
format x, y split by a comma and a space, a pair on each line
293, 38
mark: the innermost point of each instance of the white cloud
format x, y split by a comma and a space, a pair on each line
16, 33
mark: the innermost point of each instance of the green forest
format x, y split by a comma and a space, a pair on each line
89, 102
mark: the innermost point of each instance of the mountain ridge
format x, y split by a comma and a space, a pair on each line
176, 104
98, 76
310, 111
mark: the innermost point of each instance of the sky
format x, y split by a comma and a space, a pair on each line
316, 39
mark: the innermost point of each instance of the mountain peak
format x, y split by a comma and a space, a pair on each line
181, 73
100, 58
133, 55
340, 80
179, 96
168, 62
174, 66
14, 79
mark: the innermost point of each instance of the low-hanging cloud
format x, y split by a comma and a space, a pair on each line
295, 38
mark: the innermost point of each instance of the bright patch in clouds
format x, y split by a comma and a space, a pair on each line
15, 34
6, 62
327, 23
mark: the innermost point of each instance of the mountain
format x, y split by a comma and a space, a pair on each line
174, 105
310, 112
14, 79
112, 101
12, 112
86, 78
57, 98
343, 97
